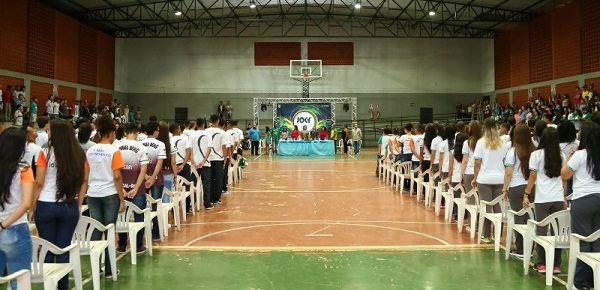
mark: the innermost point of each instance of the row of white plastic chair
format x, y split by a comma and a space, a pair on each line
559, 223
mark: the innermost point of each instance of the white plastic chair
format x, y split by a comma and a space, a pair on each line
180, 187
560, 225
23, 278
199, 198
448, 196
125, 224
473, 210
163, 209
428, 188
591, 259
519, 228
391, 173
495, 218
157, 214
340, 146
421, 183
261, 146
95, 249
441, 190
403, 173
50, 273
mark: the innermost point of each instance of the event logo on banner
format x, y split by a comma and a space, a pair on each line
313, 116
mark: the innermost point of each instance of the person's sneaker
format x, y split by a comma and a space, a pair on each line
121, 249
217, 202
486, 240
156, 238
541, 268
514, 253
226, 193
556, 270
110, 275
189, 211
141, 250
209, 208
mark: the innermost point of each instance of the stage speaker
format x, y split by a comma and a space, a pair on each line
426, 115
181, 115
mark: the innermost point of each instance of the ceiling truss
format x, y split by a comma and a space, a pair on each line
302, 18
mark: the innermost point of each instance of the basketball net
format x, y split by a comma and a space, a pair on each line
305, 75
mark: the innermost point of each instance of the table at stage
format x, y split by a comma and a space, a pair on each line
306, 148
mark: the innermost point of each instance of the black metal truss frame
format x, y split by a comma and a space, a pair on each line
323, 18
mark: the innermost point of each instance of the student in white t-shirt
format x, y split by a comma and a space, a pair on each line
32, 150
545, 165
16, 180
60, 187
182, 149
434, 148
426, 150
157, 154
105, 196
584, 167
475, 132
489, 170
202, 146
135, 159
217, 158
44, 126
416, 145
455, 163
231, 139
517, 173
18, 118
404, 143
445, 148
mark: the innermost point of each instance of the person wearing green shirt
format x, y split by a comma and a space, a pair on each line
586, 115
275, 133
334, 136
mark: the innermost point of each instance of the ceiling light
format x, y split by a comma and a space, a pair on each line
357, 5
431, 13
252, 4
178, 12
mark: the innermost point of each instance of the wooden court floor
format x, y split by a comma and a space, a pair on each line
315, 203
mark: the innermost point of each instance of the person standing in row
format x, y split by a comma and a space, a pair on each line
345, 138
276, 133
516, 177
105, 196
584, 167
217, 159
16, 196
202, 146
489, 170
157, 154
183, 153
60, 187
550, 190
135, 158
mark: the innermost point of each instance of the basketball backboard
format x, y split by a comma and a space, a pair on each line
306, 70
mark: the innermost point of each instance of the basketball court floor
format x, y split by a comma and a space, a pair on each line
320, 223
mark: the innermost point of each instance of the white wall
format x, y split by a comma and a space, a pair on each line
389, 71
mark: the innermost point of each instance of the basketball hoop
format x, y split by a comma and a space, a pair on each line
305, 76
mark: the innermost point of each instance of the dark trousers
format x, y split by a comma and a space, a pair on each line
156, 191
585, 219
205, 175
226, 166
254, 148
489, 192
186, 173
140, 201
104, 210
216, 173
542, 211
515, 198
56, 223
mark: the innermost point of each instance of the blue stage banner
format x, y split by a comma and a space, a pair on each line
317, 115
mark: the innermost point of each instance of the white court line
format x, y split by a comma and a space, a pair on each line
314, 221
326, 248
297, 223
314, 234
352, 157
308, 191
255, 158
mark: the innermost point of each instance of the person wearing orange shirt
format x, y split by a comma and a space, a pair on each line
105, 196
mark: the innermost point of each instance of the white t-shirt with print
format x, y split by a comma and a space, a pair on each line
583, 183
156, 151
32, 152
492, 163
405, 143
200, 141
512, 160
217, 138
417, 140
546, 189
134, 155
385, 140
103, 160
456, 167
179, 145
